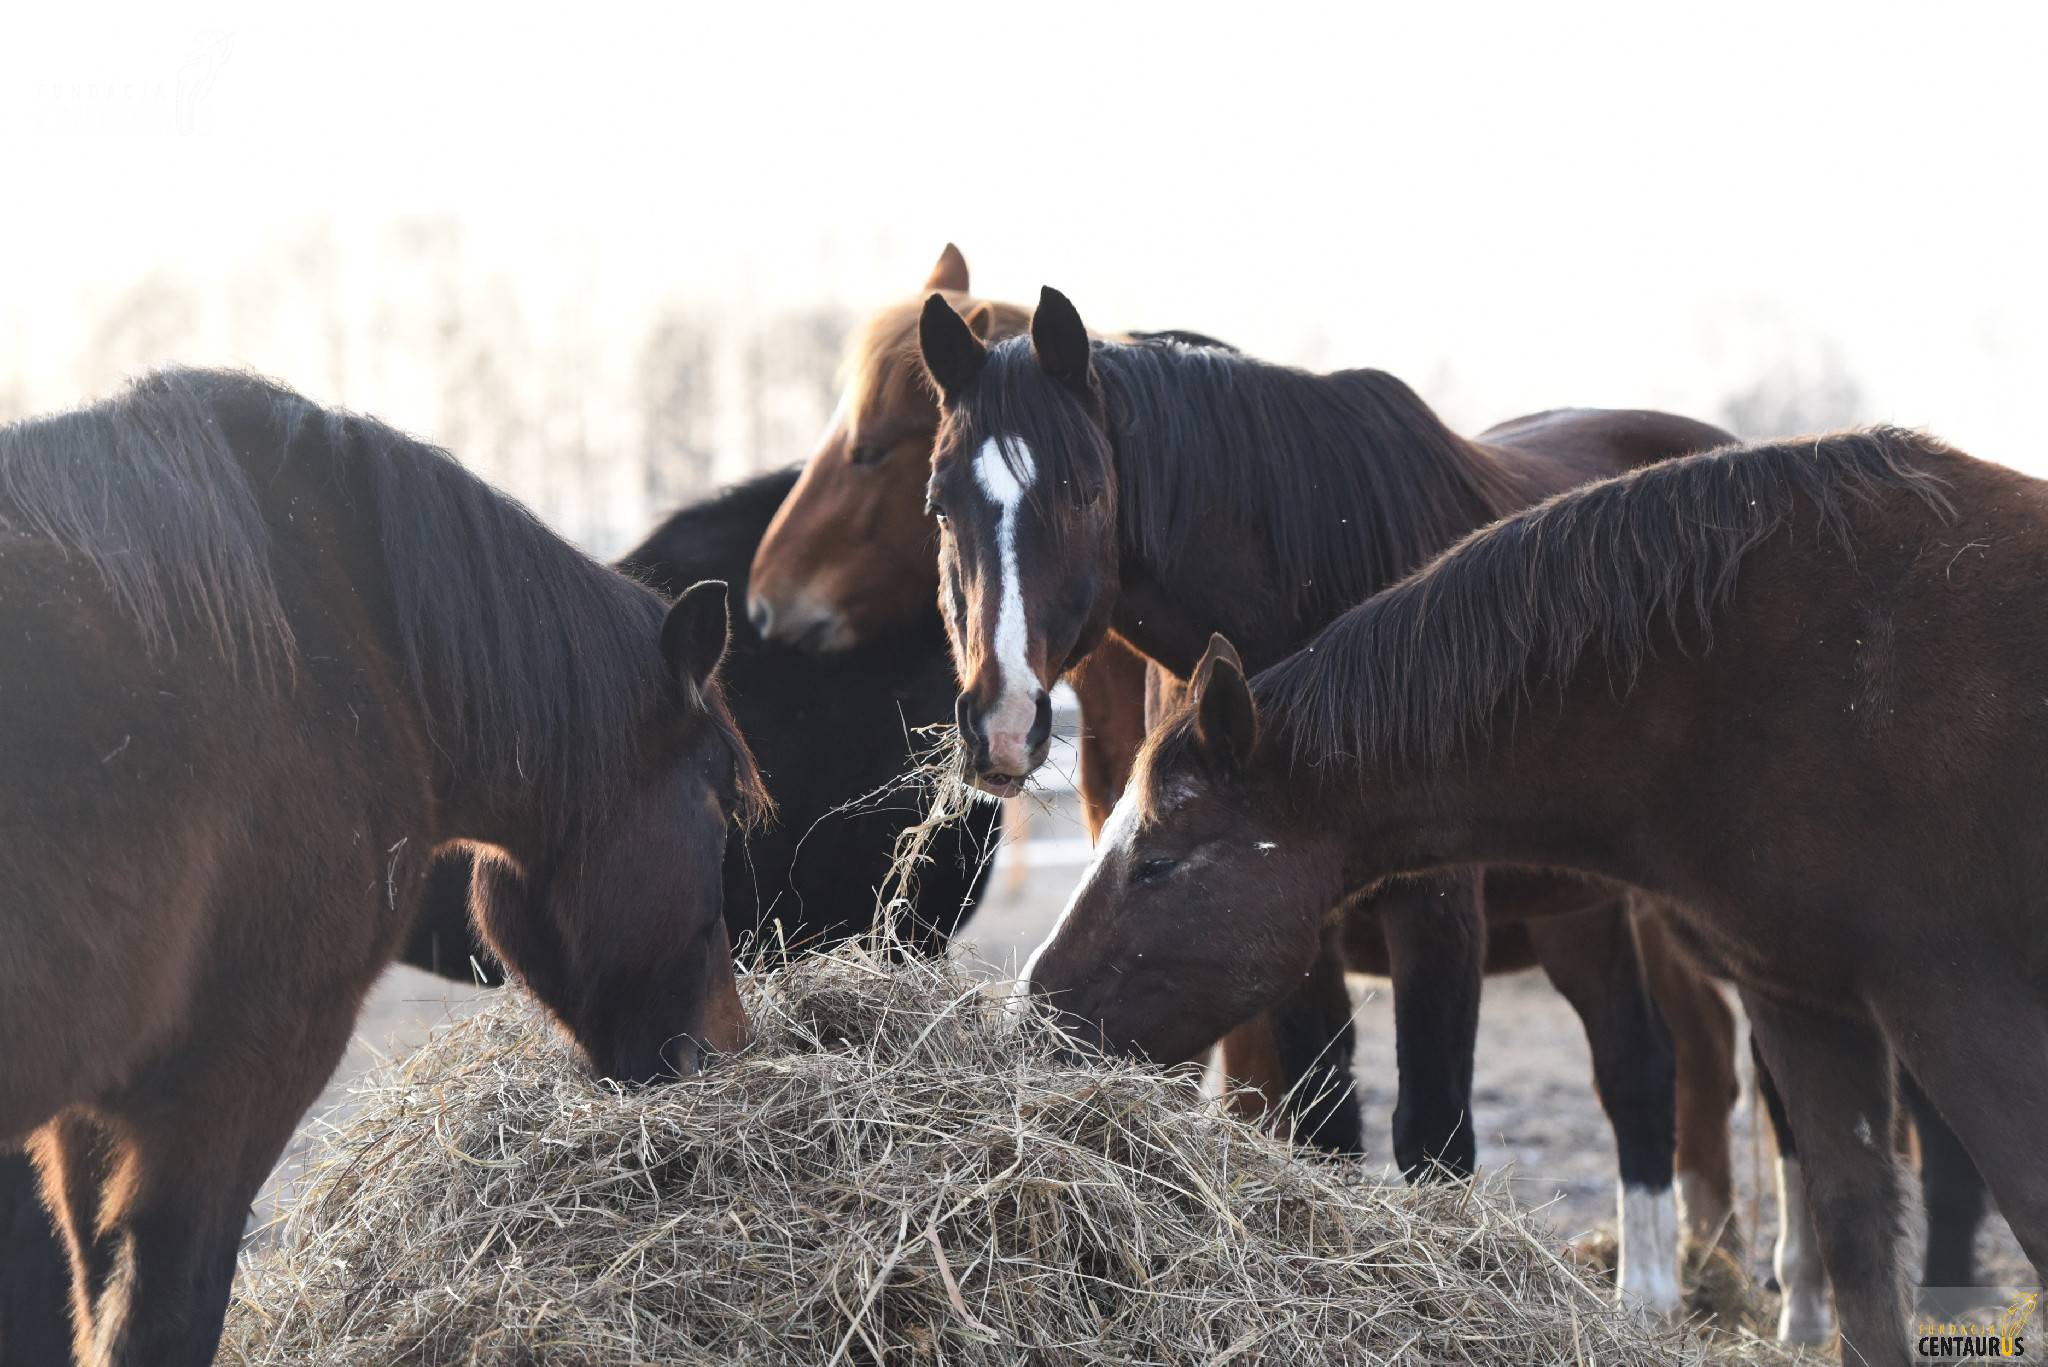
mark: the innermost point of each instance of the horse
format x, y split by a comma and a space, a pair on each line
852, 555
1796, 689
268, 658
1163, 491
830, 733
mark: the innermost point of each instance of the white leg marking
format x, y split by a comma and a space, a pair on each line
1648, 1277
1705, 1216
1804, 1315
1016, 706
1116, 836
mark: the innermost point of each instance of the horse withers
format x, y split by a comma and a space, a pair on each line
1796, 689
266, 660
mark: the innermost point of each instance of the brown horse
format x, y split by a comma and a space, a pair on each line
266, 659
853, 555
1167, 491
1800, 690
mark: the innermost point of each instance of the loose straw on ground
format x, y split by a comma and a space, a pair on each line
897, 1171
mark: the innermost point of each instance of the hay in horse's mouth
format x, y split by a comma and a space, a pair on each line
892, 1172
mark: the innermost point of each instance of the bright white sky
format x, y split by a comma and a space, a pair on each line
1514, 206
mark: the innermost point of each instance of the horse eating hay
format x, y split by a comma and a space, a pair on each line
1800, 689
264, 660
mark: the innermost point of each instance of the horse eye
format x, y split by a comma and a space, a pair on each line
869, 455
1088, 500
1152, 870
932, 509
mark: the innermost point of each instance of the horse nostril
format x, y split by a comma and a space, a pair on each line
761, 615
1041, 723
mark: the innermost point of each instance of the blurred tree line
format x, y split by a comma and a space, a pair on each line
600, 428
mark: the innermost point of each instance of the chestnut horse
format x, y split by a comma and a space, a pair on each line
1167, 491
266, 660
1796, 689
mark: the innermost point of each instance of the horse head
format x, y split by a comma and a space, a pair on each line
1024, 487
615, 917
850, 554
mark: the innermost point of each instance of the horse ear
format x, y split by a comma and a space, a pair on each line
695, 632
1060, 339
950, 273
953, 355
981, 320
1226, 718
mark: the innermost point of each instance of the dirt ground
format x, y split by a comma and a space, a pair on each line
1533, 1098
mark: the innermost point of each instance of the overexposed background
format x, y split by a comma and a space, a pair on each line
607, 254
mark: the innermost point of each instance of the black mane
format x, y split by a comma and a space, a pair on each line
1421, 668
533, 664
1371, 483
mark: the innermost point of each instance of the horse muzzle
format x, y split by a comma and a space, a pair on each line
1005, 746
803, 622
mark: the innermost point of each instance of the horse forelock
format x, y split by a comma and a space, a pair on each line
1420, 671
1060, 456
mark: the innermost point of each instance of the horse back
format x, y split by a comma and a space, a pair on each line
1564, 447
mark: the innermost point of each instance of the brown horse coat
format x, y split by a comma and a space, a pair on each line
263, 660
1801, 690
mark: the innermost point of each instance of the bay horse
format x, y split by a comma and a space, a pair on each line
852, 556
1164, 491
267, 659
827, 730
1799, 690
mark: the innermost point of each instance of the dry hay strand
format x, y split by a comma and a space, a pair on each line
898, 1171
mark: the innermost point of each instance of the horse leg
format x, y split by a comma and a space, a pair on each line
1951, 1189
1987, 1087
1703, 1035
35, 1274
1435, 930
1805, 1314
1316, 1043
1591, 958
1251, 1070
1835, 1085
156, 1186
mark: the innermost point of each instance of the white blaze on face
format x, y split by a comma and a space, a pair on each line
1113, 845
1648, 1275
1016, 709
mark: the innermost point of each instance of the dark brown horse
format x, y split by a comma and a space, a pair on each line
853, 555
1167, 491
265, 659
1800, 690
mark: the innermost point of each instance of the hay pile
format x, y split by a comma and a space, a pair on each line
893, 1173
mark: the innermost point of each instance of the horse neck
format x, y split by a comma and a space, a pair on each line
1422, 486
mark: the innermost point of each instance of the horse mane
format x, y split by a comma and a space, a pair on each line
1417, 671
146, 488
1370, 485
882, 369
531, 660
